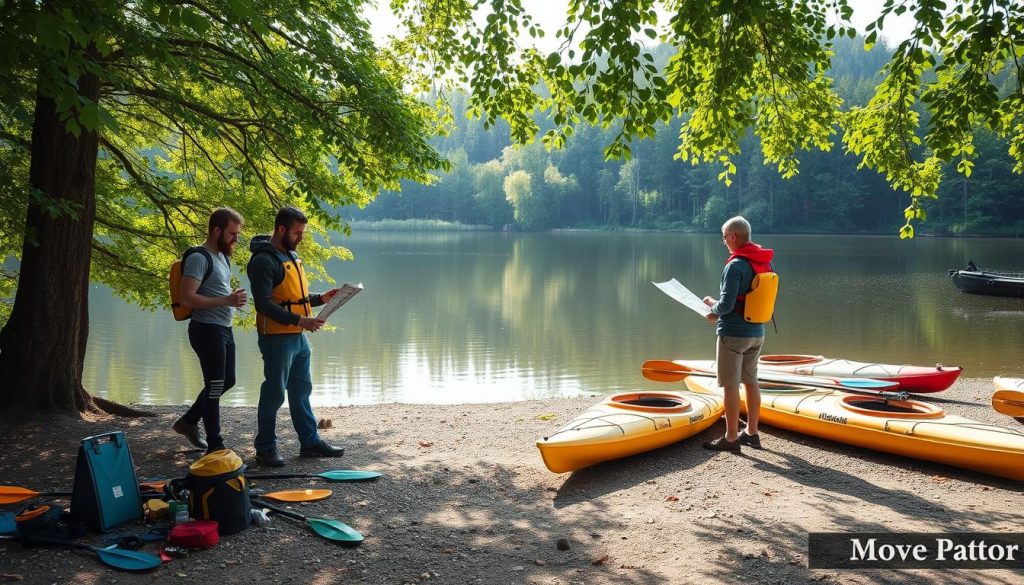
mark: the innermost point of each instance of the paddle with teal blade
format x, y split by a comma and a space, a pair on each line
670, 371
327, 528
335, 475
118, 558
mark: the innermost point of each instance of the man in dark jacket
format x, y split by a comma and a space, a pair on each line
739, 342
283, 314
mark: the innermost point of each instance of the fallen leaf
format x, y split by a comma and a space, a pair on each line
939, 479
426, 444
547, 416
599, 561
671, 499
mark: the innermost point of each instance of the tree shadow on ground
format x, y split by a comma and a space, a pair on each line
776, 553
611, 476
804, 471
424, 520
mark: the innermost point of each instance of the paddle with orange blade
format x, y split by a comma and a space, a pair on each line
1009, 402
10, 494
670, 371
297, 495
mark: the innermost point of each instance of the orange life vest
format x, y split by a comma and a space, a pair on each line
292, 293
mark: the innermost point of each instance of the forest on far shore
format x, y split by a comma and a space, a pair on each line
529, 188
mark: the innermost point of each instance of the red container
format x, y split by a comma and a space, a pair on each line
196, 535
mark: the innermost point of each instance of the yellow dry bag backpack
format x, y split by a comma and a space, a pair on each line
759, 303
174, 281
218, 490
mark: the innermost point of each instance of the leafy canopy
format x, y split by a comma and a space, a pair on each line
205, 103
738, 64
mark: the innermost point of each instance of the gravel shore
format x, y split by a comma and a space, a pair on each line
465, 498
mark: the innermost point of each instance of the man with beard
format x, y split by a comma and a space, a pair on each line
206, 289
283, 313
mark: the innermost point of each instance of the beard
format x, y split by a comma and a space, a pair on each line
289, 242
225, 246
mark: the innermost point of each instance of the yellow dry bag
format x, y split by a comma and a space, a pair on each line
759, 303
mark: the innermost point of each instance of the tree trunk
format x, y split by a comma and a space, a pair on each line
42, 347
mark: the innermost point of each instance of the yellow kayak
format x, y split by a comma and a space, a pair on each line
909, 428
626, 424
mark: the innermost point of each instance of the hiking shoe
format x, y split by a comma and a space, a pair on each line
321, 449
191, 432
750, 440
721, 444
270, 458
213, 448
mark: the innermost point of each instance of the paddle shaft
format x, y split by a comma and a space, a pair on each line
280, 475
326, 528
660, 373
21, 494
672, 372
335, 475
280, 511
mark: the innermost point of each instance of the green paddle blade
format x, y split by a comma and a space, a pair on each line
334, 530
118, 558
349, 475
127, 560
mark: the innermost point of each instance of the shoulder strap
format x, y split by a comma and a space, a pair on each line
209, 260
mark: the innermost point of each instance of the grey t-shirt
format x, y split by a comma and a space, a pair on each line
218, 285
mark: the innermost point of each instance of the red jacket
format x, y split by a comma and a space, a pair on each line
759, 258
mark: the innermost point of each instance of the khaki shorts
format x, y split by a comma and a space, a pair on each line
737, 360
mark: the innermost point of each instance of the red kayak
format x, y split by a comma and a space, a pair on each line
919, 379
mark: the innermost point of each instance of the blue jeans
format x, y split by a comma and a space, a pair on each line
286, 359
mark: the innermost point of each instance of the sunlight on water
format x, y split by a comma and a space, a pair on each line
488, 317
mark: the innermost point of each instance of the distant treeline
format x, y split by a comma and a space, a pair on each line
529, 188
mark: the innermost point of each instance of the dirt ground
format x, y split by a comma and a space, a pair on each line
465, 498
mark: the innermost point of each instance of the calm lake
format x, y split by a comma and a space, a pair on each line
487, 317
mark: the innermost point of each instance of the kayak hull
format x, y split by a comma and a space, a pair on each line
918, 379
915, 429
1004, 383
628, 424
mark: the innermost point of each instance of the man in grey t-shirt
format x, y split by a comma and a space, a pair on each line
206, 289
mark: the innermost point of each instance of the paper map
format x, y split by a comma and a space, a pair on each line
344, 295
680, 293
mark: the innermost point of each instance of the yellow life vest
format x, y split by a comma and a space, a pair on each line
759, 303
292, 293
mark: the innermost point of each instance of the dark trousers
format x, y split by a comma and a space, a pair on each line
215, 346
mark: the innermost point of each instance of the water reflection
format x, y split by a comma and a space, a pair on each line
455, 317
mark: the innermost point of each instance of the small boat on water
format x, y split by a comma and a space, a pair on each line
627, 424
902, 427
919, 379
973, 280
